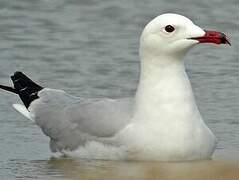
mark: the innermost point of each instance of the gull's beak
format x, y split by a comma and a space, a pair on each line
213, 37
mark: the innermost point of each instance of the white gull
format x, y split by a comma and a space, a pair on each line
161, 122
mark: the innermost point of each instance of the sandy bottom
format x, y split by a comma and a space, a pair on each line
203, 170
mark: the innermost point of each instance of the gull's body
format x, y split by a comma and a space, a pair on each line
161, 122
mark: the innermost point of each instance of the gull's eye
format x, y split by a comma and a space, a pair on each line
169, 28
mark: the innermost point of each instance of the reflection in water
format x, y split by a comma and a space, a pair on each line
83, 169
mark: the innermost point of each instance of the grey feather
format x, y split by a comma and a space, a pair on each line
71, 121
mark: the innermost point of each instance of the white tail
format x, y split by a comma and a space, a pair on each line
23, 110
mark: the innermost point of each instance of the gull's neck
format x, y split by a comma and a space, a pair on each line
164, 92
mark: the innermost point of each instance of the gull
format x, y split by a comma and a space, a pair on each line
160, 123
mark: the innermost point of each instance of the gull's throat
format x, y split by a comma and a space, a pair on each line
164, 92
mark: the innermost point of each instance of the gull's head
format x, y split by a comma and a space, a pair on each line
173, 35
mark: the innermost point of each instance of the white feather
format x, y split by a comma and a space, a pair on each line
23, 110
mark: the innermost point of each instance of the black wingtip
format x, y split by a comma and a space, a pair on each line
8, 88
24, 87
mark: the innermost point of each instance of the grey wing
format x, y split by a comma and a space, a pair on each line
71, 121
102, 118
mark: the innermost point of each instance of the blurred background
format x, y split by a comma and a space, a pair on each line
89, 48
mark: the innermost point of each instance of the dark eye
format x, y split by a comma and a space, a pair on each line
169, 28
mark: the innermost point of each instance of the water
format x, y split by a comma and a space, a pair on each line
89, 48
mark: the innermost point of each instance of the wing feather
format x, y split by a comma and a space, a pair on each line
71, 121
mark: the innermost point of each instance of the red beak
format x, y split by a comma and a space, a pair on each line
213, 37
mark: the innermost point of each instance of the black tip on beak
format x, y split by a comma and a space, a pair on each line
224, 39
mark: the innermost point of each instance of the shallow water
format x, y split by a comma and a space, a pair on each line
64, 169
89, 48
